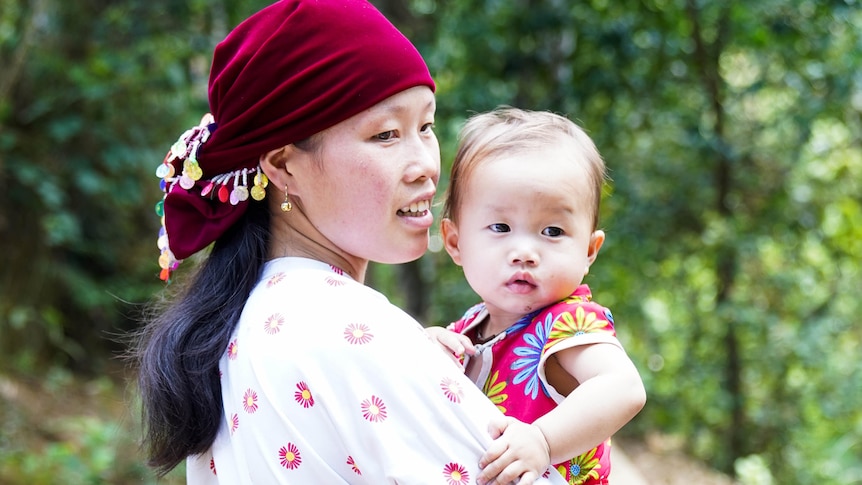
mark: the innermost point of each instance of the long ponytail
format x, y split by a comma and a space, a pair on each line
179, 349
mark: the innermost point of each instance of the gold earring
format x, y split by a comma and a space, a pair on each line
286, 206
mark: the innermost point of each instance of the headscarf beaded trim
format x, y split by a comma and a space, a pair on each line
186, 149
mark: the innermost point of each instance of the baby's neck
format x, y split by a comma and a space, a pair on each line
492, 325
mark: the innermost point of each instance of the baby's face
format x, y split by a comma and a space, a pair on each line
524, 235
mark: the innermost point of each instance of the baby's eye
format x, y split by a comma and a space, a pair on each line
552, 231
499, 227
385, 136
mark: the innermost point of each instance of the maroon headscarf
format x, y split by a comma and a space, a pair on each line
287, 72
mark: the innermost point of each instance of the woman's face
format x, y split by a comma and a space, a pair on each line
369, 192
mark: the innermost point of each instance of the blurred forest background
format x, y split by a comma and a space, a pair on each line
732, 129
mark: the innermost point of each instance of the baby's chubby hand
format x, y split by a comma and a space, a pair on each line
454, 344
519, 454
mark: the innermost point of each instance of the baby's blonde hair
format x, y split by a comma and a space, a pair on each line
507, 131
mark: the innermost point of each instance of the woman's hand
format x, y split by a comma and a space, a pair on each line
518, 455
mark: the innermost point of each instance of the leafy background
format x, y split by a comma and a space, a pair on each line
733, 132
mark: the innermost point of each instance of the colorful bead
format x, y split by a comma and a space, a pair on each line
260, 183
261, 179
257, 192
163, 170
238, 194
186, 182
192, 169
165, 260
232, 187
178, 149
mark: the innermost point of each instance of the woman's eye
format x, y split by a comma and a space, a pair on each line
499, 227
427, 127
385, 136
552, 232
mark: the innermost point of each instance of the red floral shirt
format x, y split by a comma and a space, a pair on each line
511, 370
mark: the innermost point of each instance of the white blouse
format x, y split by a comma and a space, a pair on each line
326, 382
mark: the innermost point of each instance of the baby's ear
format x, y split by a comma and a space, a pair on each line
449, 231
596, 240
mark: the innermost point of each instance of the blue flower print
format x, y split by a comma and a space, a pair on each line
530, 355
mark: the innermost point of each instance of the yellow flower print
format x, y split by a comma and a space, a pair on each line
494, 391
576, 299
568, 325
581, 468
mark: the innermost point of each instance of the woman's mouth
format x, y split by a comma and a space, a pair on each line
416, 209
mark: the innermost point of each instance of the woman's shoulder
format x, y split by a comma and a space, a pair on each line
302, 283
300, 271
306, 303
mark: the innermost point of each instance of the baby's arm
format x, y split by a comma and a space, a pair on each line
454, 344
609, 395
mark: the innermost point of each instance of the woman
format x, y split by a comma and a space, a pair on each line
275, 364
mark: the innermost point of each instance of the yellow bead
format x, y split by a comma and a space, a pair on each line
257, 192
192, 170
165, 260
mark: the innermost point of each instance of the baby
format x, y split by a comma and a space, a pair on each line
520, 218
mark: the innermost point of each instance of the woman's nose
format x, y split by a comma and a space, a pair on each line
425, 158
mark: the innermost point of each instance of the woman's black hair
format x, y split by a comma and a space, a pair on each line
179, 349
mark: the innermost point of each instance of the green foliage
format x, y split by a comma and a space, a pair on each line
92, 441
83, 125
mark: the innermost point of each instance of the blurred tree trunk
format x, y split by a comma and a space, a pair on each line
706, 59
415, 290
20, 235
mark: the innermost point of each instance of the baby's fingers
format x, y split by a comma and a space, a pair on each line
457, 344
527, 478
506, 470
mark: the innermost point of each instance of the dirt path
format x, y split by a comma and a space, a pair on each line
640, 463
623, 469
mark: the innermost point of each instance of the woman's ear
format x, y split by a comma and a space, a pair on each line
449, 232
274, 165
